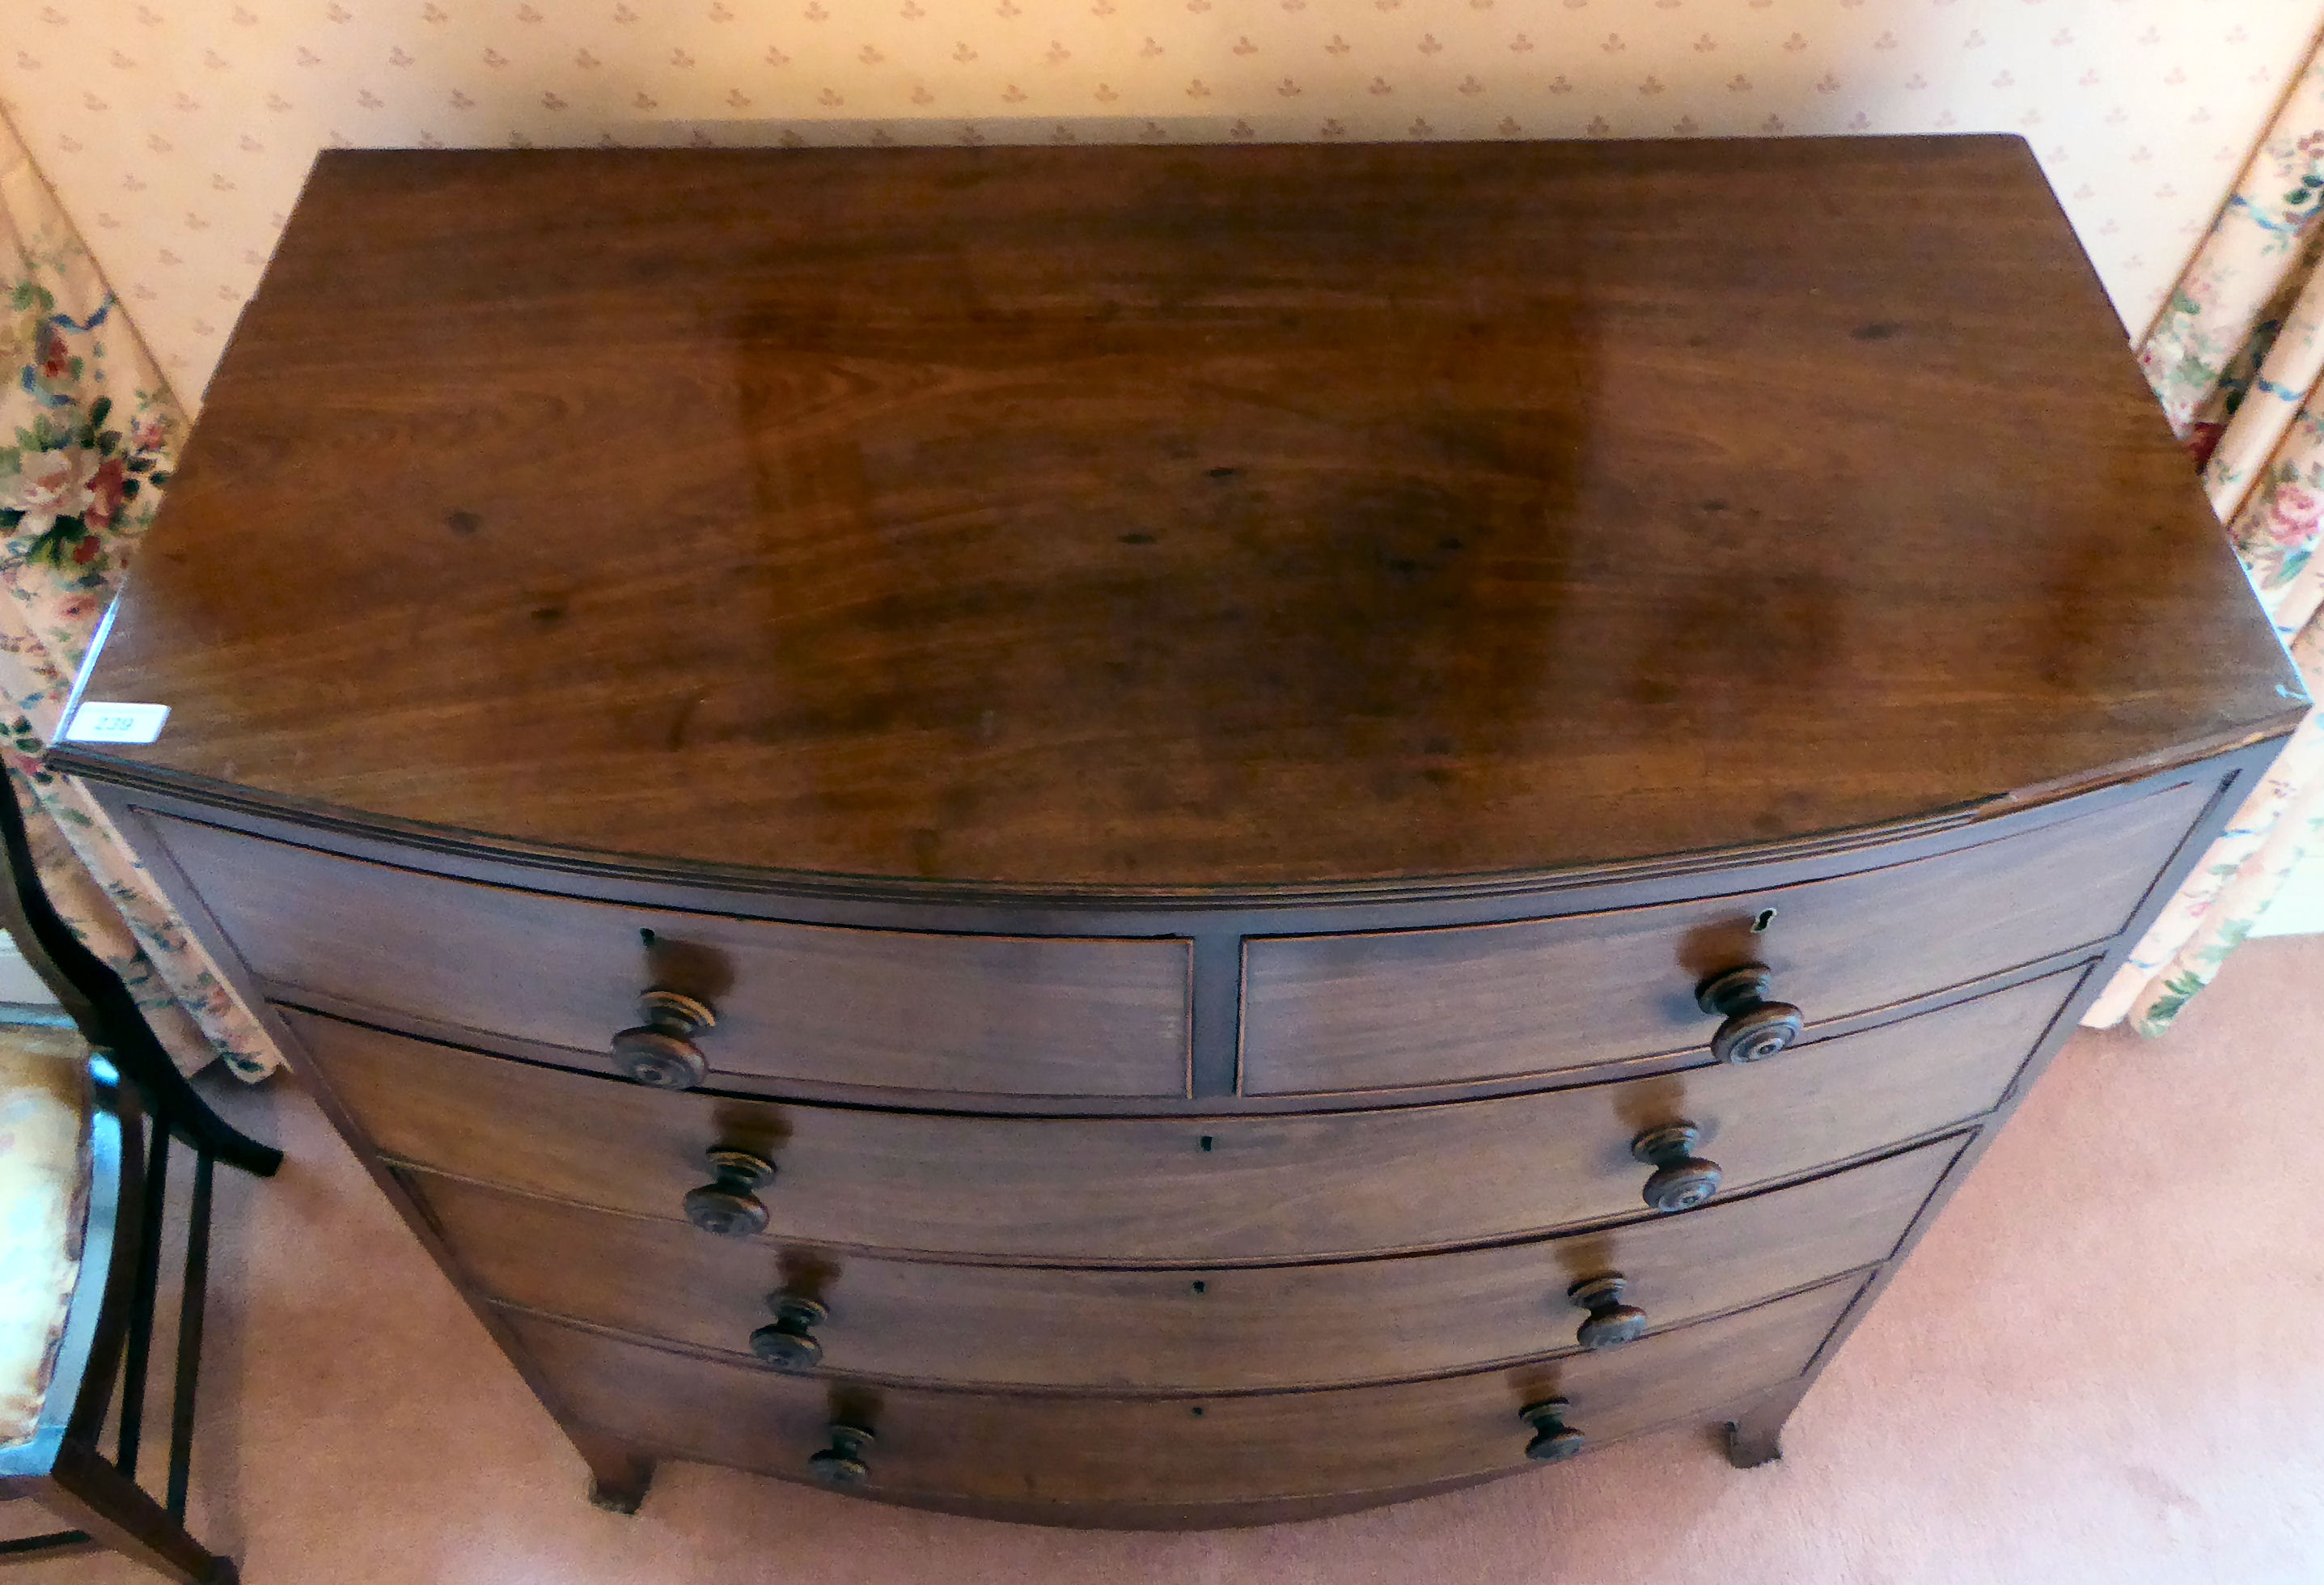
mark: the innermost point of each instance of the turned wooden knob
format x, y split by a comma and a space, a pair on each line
1611, 1323
661, 1051
726, 1206
1756, 1027
789, 1342
1681, 1180
1553, 1438
842, 1463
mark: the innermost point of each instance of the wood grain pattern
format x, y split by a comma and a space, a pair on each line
1242, 1447
1191, 1190
1226, 516
1019, 1016
1380, 1010
1185, 1331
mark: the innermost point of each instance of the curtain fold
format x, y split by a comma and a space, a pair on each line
2237, 358
88, 434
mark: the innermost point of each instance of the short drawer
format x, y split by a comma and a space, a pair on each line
999, 1447
889, 1009
1194, 1330
1192, 1190
1345, 1013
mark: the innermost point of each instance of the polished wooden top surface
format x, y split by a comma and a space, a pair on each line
1182, 516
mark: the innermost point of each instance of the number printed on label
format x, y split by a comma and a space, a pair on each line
105, 721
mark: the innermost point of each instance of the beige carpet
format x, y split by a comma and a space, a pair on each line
2107, 1364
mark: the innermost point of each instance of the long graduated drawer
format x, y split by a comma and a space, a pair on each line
1202, 1191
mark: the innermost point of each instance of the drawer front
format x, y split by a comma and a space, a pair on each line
1195, 1190
1003, 1448
1237, 1329
989, 1015
1351, 1012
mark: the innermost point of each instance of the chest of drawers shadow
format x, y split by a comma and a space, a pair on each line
1177, 837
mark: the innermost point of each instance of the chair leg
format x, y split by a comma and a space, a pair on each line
85, 1491
192, 1303
138, 1343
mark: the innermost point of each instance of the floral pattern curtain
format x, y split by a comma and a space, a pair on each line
88, 435
2236, 357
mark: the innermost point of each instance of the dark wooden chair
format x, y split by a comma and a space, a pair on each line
99, 1055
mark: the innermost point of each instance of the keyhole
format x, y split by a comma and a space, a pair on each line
1767, 917
647, 937
1201, 1288
1206, 1141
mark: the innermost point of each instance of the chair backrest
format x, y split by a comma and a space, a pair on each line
23, 904
92, 996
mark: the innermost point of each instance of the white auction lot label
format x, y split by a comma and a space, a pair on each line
102, 721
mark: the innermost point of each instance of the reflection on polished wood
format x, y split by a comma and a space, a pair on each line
1221, 515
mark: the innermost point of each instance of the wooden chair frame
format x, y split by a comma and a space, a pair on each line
109, 1326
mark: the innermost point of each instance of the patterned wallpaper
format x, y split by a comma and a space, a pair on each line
176, 131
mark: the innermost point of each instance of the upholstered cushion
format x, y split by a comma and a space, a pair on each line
45, 1107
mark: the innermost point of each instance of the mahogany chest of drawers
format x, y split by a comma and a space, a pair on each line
1160, 836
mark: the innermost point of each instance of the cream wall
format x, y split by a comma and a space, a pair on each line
176, 131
